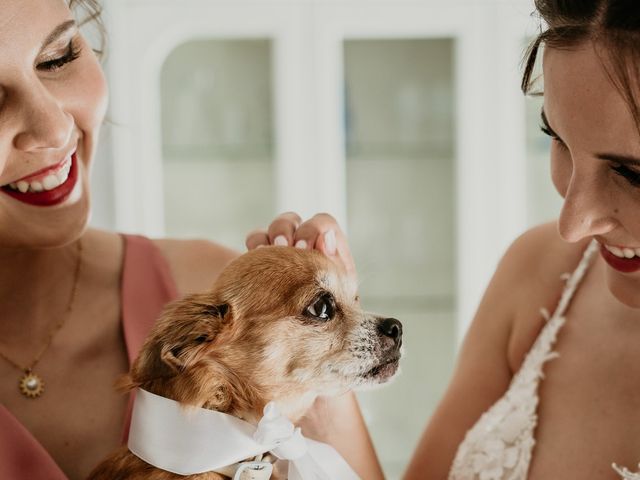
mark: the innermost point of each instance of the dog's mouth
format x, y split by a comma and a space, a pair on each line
383, 371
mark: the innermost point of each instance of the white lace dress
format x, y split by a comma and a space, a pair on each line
500, 444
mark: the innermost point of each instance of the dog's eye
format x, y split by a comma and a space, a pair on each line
323, 308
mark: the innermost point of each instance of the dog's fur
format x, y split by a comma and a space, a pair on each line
253, 339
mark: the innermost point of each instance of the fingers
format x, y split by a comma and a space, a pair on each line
282, 229
280, 232
321, 232
256, 238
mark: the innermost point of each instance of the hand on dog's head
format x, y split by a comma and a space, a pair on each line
280, 324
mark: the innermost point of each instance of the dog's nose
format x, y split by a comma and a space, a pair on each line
392, 328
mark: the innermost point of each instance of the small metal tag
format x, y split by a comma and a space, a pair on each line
254, 471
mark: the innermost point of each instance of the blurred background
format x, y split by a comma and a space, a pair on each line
402, 118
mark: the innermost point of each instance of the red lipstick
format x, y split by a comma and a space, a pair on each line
624, 265
48, 198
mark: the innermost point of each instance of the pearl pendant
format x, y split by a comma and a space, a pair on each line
31, 385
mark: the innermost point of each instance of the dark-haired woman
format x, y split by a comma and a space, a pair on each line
76, 302
557, 395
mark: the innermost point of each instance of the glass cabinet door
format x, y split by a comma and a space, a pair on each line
399, 130
217, 132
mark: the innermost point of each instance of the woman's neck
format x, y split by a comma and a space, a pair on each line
35, 290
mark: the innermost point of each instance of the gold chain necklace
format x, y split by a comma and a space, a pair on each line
31, 385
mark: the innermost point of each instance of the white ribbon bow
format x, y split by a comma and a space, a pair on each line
186, 440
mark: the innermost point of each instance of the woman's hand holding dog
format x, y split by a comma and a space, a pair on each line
321, 232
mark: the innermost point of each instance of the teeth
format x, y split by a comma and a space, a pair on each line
49, 182
623, 252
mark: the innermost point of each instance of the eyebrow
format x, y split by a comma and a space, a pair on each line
57, 32
609, 157
622, 159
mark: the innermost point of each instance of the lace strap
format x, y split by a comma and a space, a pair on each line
541, 351
573, 281
625, 473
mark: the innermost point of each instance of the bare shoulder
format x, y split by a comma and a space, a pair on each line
541, 248
527, 277
103, 254
194, 264
536, 263
503, 329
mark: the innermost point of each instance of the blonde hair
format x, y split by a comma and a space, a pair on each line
90, 12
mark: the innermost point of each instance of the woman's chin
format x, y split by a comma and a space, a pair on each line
54, 229
23, 225
624, 287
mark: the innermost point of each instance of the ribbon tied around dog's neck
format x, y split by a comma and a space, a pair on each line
190, 440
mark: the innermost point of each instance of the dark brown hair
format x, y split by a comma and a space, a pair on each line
614, 28
89, 12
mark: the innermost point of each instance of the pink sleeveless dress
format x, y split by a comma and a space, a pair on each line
145, 276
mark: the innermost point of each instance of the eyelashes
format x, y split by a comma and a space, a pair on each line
72, 53
544, 129
547, 131
630, 175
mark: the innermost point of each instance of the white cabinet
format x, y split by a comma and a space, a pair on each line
217, 138
403, 118
400, 140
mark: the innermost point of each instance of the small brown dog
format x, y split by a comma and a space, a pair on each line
281, 324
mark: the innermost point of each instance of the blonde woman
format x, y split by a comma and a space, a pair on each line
76, 302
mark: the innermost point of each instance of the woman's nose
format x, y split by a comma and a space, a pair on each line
588, 210
44, 124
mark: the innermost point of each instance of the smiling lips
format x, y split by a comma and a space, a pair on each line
46, 188
625, 260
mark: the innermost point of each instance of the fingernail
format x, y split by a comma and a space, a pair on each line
260, 246
330, 242
301, 244
281, 241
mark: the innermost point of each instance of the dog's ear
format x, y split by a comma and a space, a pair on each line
182, 335
193, 324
